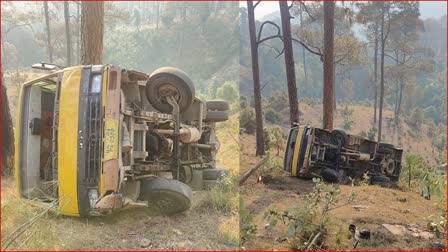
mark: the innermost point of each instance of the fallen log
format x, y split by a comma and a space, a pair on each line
251, 171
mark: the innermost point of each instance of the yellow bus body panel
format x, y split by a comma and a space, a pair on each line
103, 102
68, 141
295, 157
17, 140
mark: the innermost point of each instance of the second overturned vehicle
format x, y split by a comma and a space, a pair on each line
336, 156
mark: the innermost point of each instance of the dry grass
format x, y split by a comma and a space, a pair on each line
196, 229
384, 205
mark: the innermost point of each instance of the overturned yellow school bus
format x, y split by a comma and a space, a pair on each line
335, 156
97, 138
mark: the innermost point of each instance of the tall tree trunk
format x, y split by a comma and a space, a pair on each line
375, 74
47, 25
397, 90
7, 135
328, 65
397, 117
334, 87
289, 63
78, 43
256, 78
92, 26
4, 59
303, 52
67, 33
383, 44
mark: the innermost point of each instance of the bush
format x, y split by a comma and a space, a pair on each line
312, 218
278, 101
272, 116
432, 129
371, 134
228, 91
243, 102
423, 178
347, 124
247, 120
362, 133
223, 196
247, 228
274, 138
416, 118
346, 113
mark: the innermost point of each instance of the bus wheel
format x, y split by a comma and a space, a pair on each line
340, 137
380, 180
166, 196
330, 175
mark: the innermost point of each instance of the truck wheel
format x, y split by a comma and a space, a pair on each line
214, 174
390, 168
169, 81
385, 151
218, 105
340, 137
379, 180
217, 116
329, 175
166, 196
385, 146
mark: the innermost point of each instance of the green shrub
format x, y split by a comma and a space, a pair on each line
371, 134
247, 228
416, 118
362, 133
247, 120
306, 221
272, 115
228, 91
346, 113
243, 102
223, 196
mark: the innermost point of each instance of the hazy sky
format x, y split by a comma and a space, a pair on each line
427, 9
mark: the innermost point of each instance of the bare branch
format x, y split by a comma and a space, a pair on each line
274, 48
390, 56
307, 47
265, 84
17, 26
268, 38
306, 10
259, 40
255, 5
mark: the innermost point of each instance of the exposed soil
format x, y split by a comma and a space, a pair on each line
372, 207
138, 228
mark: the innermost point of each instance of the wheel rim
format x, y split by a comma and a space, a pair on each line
390, 168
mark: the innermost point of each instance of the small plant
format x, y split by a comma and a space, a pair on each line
371, 134
247, 120
274, 139
362, 133
248, 229
272, 116
309, 223
438, 225
223, 196
346, 113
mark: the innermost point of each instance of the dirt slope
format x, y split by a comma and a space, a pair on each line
382, 206
197, 228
